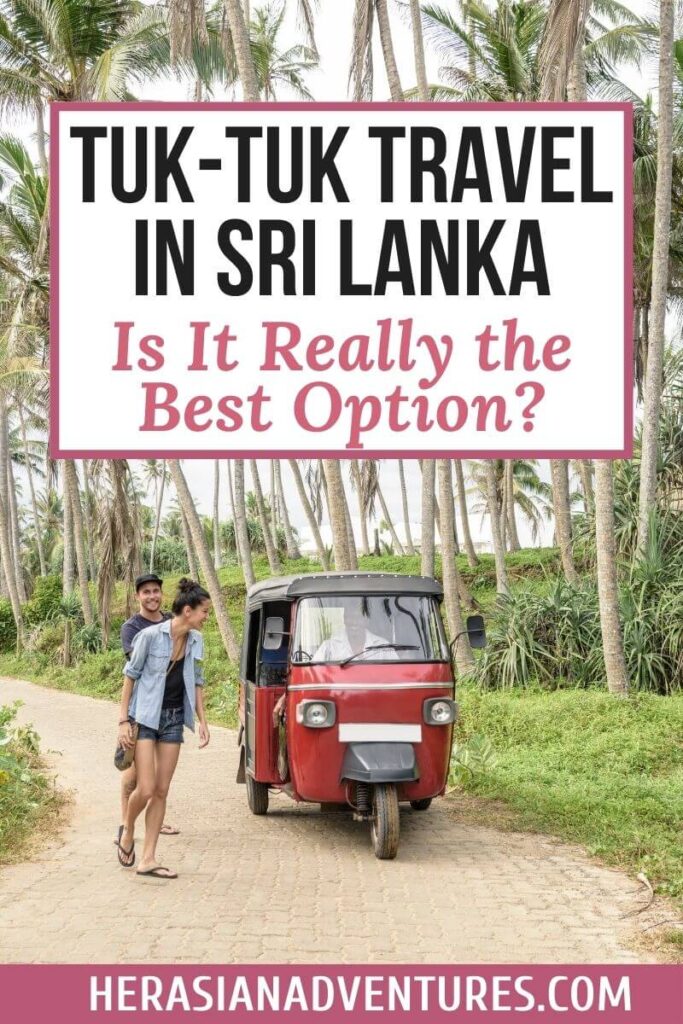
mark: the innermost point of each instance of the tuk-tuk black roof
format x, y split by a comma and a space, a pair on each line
288, 588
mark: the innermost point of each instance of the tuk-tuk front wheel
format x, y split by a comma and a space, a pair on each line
384, 829
421, 805
257, 795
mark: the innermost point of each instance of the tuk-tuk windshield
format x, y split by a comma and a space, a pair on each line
360, 628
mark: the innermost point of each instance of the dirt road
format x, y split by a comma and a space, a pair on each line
294, 886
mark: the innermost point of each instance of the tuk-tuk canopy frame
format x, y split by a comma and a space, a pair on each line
290, 588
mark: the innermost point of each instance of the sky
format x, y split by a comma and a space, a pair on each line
333, 37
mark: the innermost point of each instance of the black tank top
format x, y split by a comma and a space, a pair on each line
175, 685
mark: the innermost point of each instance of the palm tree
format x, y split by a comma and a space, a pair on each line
451, 577
72, 496
271, 551
338, 509
361, 74
357, 482
243, 55
410, 547
62, 52
427, 512
208, 569
660, 275
117, 534
290, 540
217, 559
388, 520
494, 515
272, 67
472, 559
419, 50
608, 585
559, 474
241, 530
309, 513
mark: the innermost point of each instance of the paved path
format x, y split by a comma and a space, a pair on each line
296, 885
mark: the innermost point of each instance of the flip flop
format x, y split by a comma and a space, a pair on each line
118, 838
169, 830
157, 872
121, 853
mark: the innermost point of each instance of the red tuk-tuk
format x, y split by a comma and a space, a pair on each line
346, 695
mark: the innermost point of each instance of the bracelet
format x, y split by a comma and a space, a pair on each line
124, 721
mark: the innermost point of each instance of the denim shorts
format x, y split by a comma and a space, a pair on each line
170, 727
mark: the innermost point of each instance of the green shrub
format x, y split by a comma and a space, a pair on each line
24, 790
8, 629
44, 603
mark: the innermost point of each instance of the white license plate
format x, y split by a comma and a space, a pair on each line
379, 732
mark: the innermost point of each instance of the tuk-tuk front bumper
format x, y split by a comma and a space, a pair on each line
380, 762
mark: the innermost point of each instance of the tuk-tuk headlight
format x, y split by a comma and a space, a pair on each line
440, 711
316, 714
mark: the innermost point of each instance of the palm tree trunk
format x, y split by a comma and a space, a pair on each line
241, 528
586, 474
290, 540
15, 533
274, 507
32, 491
309, 513
464, 658
358, 487
4, 490
231, 495
208, 569
395, 90
660, 277
419, 50
349, 530
88, 522
192, 566
494, 515
559, 475
410, 547
271, 550
427, 512
472, 559
503, 507
608, 586
336, 501
217, 560
67, 525
40, 139
243, 57
510, 497
72, 495
388, 520
157, 516
8, 571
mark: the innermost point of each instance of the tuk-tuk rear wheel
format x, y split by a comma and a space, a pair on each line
421, 805
257, 795
384, 829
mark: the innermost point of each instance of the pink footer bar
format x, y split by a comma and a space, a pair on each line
81, 994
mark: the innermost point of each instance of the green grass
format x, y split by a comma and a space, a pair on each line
589, 768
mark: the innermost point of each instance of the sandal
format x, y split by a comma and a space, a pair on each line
169, 830
156, 872
123, 853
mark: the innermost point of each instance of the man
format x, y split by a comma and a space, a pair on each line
355, 640
149, 596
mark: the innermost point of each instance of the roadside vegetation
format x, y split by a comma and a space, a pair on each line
547, 740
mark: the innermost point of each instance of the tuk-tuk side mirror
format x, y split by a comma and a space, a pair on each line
476, 631
273, 632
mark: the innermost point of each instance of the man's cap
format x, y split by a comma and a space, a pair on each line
150, 577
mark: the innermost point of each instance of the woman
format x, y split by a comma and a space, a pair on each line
162, 691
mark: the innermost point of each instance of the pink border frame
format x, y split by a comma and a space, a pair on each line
57, 452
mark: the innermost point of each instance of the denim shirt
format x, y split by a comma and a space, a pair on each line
148, 663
